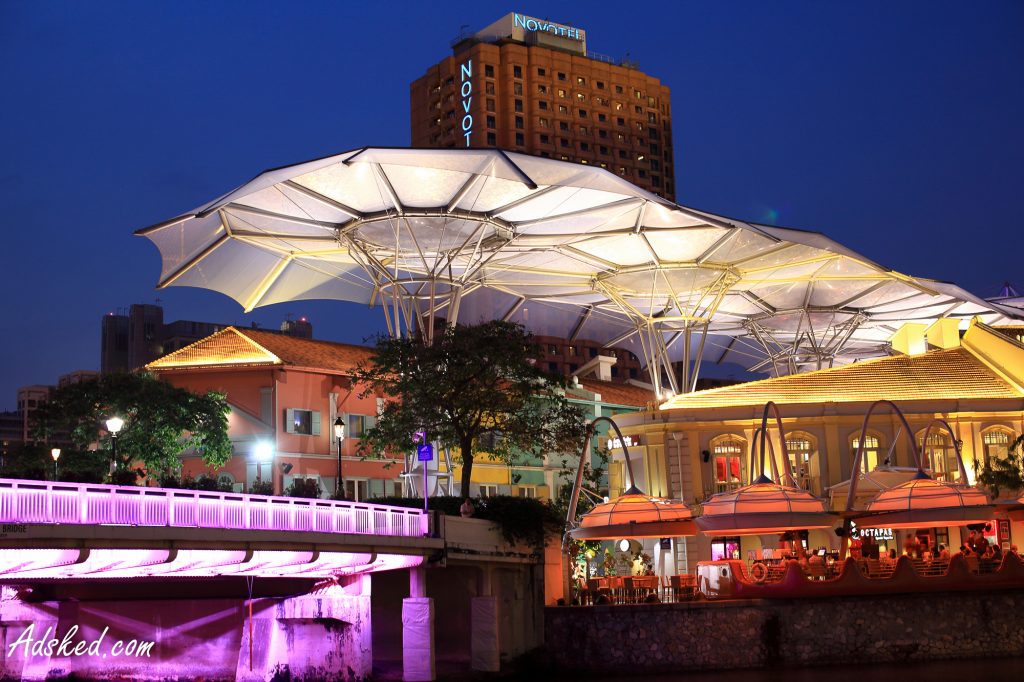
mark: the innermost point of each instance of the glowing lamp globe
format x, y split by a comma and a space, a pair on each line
923, 502
763, 507
635, 515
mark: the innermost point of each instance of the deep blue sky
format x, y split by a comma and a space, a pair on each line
896, 128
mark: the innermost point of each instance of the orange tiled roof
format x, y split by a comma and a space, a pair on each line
619, 394
234, 346
936, 375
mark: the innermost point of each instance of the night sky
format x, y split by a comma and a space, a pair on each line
895, 128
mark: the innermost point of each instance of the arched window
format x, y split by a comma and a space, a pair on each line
996, 444
728, 453
801, 448
870, 458
939, 456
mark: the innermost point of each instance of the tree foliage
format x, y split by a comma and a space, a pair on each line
161, 422
475, 389
1004, 473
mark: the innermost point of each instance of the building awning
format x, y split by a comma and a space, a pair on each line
635, 515
763, 507
926, 503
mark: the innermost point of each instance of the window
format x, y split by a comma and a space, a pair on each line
996, 444
542, 89
870, 458
492, 139
542, 105
490, 105
561, 76
583, 113
583, 130
491, 122
545, 139
562, 125
517, 72
652, 117
620, 121
553, 367
543, 122
561, 92
637, 94
581, 97
623, 154
940, 456
358, 423
489, 70
489, 87
528, 491
518, 105
302, 422
618, 89
603, 149
600, 85
800, 450
580, 80
562, 109
728, 454
725, 548
357, 490
542, 72
520, 139
638, 110
519, 122
602, 118
584, 147
564, 142
488, 490
603, 134
517, 89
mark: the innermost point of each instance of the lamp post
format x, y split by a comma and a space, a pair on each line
264, 452
55, 453
114, 426
339, 433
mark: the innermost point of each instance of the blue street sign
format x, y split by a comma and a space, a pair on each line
425, 452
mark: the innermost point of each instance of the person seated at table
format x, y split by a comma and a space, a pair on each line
1013, 550
892, 554
997, 554
911, 546
965, 551
943, 553
988, 553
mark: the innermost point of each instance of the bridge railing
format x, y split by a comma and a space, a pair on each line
89, 503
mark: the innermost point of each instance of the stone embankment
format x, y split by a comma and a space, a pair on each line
761, 633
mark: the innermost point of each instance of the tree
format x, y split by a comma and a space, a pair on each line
1004, 473
161, 422
473, 384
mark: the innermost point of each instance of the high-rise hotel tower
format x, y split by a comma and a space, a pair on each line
529, 85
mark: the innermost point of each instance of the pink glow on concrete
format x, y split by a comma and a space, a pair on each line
22, 564
86, 503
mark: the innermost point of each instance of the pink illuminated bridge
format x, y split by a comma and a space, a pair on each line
84, 530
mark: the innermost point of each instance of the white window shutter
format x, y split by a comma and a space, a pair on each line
289, 421
315, 421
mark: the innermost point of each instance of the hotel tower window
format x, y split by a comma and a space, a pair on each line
869, 460
940, 456
996, 443
728, 453
800, 449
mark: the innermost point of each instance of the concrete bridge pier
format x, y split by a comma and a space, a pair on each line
418, 663
485, 646
325, 634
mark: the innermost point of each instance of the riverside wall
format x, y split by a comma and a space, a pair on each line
793, 632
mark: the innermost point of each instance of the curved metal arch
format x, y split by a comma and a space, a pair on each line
852, 493
952, 437
771, 406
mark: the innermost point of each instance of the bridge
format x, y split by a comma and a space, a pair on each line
84, 531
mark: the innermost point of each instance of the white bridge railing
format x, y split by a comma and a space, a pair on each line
88, 503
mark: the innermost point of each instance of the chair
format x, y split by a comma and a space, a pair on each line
684, 586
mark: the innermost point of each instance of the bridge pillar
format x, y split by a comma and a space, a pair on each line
485, 649
418, 630
322, 635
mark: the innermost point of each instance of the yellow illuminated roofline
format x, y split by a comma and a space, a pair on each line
260, 355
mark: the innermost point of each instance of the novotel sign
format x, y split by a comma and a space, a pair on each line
544, 26
466, 90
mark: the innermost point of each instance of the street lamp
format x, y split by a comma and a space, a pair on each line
114, 425
264, 452
339, 433
55, 453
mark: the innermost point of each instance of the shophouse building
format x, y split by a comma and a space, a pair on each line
699, 444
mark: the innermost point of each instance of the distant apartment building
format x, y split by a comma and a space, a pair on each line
140, 336
530, 85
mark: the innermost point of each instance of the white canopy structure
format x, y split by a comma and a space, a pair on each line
566, 249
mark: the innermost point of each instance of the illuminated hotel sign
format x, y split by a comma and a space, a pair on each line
465, 73
630, 441
542, 26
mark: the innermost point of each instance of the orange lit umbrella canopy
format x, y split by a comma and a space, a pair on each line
763, 507
635, 515
926, 503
